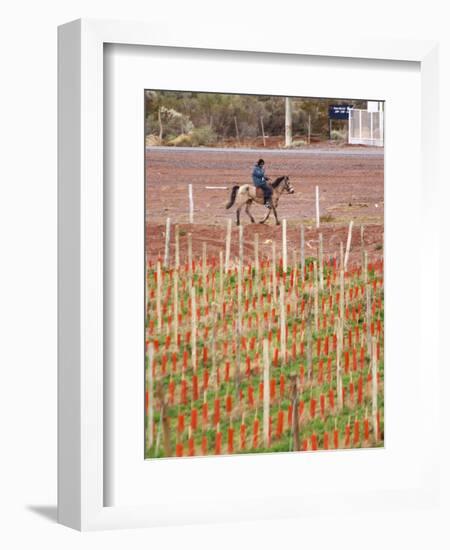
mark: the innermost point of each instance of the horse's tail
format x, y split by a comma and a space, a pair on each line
233, 196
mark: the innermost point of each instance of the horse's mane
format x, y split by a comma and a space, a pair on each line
277, 182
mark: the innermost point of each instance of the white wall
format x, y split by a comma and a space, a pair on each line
28, 263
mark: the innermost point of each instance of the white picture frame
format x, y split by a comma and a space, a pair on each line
80, 356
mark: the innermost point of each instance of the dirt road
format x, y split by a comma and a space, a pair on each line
350, 180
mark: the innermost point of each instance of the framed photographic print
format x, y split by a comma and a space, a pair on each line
242, 314
268, 338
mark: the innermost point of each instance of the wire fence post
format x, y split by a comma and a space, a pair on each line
191, 204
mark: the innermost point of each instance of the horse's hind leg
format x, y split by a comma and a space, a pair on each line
239, 204
247, 210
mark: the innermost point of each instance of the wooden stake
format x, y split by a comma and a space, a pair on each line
362, 245
274, 272
239, 293
321, 261
317, 208
266, 392
295, 430
193, 330
349, 242
239, 312
158, 297
241, 246
177, 247
365, 267
204, 273
374, 388
284, 237
213, 340
295, 268
302, 251
166, 248
368, 316
309, 351
282, 324
175, 308
240, 273
191, 204
227, 246
237, 377
316, 298
221, 278
339, 329
150, 352
256, 247
190, 253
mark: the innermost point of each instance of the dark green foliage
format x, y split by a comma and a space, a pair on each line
195, 118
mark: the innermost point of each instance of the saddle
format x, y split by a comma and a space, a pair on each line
259, 193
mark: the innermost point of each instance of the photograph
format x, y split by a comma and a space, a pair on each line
264, 274
207, 211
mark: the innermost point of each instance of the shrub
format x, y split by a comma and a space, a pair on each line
339, 135
204, 135
183, 140
152, 140
198, 137
299, 143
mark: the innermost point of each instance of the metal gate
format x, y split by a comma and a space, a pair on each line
366, 127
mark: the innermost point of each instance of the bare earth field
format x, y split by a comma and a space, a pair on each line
211, 330
350, 179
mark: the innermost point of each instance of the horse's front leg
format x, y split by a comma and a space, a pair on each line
247, 210
238, 216
275, 214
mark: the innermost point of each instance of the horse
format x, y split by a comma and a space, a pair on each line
248, 194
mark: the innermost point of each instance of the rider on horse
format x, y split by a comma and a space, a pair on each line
261, 182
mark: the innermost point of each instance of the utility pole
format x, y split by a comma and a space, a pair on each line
288, 122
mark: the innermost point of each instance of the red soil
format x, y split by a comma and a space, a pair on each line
351, 187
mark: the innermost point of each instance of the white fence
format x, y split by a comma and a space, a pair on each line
366, 127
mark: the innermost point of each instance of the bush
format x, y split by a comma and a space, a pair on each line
183, 140
339, 135
198, 137
152, 140
299, 143
204, 135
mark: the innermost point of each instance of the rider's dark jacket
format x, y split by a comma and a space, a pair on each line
258, 175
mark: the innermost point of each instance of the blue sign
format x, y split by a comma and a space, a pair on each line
339, 112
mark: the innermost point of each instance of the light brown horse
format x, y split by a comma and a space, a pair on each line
248, 194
